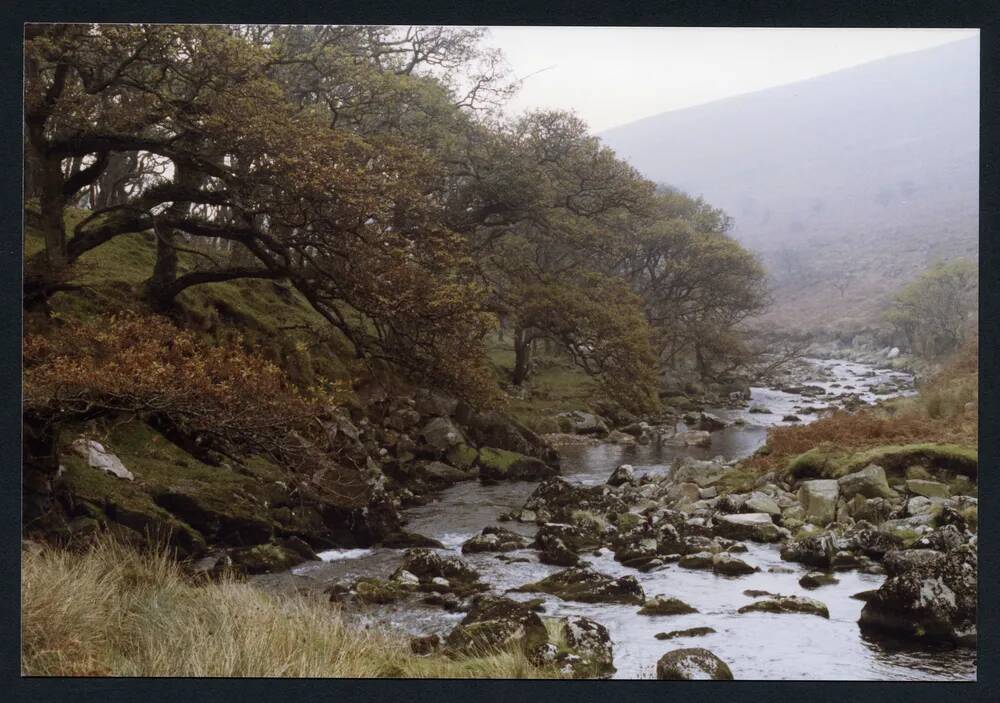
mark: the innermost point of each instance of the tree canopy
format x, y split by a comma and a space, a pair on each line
371, 168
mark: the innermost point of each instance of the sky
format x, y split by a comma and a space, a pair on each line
614, 75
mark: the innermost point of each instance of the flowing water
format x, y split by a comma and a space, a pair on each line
755, 645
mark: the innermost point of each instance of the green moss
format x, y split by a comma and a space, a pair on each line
627, 521
818, 462
375, 590
498, 461
895, 459
825, 461
126, 502
739, 479
462, 456
171, 486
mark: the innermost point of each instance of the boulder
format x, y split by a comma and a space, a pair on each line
869, 482
462, 456
264, 558
875, 543
494, 539
928, 597
555, 552
692, 438
814, 550
443, 473
493, 624
380, 591
664, 605
943, 539
425, 565
702, 473
728, 565
815, 579
616, 437
493, 429
758, 527
585, 423
690, 632
819, 501
561, 499
504, 465
576, 537
698, 560
920, 506
685, 492
787, 604
759, 502
622, 475
588, 586
442, 434
928, 489
402, 539
710, 423
434, 403
692, 664
590, 650
636, 553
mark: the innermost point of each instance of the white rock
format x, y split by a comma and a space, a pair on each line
100, 458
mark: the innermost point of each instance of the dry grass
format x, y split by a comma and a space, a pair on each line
114, 612
944, 411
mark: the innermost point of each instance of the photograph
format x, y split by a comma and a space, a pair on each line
451, 351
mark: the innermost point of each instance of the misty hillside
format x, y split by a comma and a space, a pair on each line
847, 184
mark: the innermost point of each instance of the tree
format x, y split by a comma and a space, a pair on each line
541, 202
936, 311
697, 283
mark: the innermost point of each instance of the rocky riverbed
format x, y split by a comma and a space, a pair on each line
628, 564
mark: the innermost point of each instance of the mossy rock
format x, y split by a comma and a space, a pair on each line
379, 591
588, 586
662, 605
462, 456
117, 501
505, 465
264, 558
826, 461
787, 604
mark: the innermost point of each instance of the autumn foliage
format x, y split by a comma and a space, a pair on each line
145, 366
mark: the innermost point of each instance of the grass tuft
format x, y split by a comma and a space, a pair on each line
113, 611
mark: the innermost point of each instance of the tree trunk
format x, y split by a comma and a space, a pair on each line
522, 356
160, 291
52, 203
165, 269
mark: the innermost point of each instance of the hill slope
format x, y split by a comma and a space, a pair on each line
865, 175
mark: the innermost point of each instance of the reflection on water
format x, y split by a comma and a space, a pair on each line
755, 645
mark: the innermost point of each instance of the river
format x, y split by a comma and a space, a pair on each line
755, 645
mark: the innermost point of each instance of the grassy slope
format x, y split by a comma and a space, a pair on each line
272, 317
555, 386
115, 612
